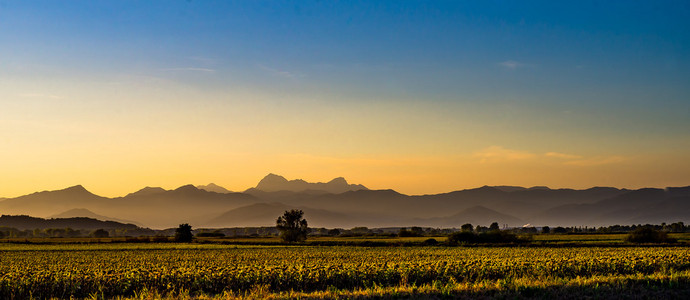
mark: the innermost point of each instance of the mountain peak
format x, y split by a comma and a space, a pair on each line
275, 183
212, 187
187, 188
75, 190
338, 180
147, 191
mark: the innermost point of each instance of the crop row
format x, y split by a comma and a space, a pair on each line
82, 273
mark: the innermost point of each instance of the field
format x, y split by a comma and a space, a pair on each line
154, 270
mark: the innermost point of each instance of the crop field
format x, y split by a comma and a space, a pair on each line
222, 271
537, 239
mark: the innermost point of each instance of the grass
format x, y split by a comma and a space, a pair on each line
556, 240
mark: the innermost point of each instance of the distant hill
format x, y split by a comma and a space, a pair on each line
265, 214
85, 213
476, 215
26, 222
632, 207
212, 187
46, 203
275, 183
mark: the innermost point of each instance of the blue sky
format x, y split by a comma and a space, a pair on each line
355, 78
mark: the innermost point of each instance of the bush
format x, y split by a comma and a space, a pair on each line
489, 237
408, 233
210, 234
497, 236
462, 237
430, 242
648, 235
100, 233
160, 239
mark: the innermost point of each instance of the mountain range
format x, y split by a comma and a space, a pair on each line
338, 204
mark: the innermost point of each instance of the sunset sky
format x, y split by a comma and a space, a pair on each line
417, 96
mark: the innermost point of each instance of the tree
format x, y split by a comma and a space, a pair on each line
183, 233
494, 226
466, 227
101, 233
559, 229
546, 229
410, 233
462, 237
678, 227
293, 228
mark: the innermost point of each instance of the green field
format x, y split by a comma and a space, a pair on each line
615, 239
153, 270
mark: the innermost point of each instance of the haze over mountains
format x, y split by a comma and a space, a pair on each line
339, 204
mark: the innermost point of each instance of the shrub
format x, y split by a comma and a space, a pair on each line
497, 236
430, 242
210, 234
462, 237
100, 233
408, 233
648, 235
489, 237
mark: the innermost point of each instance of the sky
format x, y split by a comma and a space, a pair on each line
417, 96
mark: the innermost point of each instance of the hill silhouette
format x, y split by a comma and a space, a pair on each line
85, 213
476, 215
27, 222
46, 203
340, 204
212, 187
147, 191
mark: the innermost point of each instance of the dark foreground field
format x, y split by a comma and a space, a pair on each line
169, 270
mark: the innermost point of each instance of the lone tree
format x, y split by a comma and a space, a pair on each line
293, 228
183, 233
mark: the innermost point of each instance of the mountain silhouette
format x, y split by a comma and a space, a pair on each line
339, 204
641, 206
275, 183
46, 203
147, 191
212, 187
170, 208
